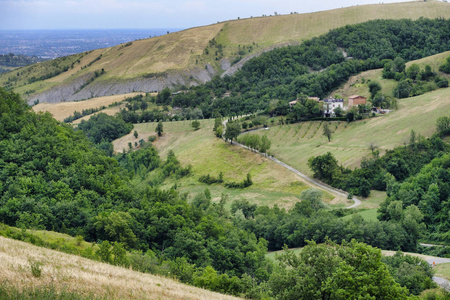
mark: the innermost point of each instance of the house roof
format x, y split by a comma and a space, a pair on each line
356, 96
333, 100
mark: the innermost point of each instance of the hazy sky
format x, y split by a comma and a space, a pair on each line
64, 14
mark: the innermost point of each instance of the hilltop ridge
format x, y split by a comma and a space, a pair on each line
191, 56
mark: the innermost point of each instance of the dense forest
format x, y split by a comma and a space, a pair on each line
53, 177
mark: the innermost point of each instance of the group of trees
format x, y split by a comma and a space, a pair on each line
85, 112
52, 177
443, 126
311, 220
429, 191
412, 80
446, 66
329, 271
304, 109
19, 60
400, 162
256, 142
103, 127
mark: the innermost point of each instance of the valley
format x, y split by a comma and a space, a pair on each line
172, 167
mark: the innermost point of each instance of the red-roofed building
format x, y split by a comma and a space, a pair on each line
356, 100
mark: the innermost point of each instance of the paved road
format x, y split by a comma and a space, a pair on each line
305, 177
430, 245
442, 282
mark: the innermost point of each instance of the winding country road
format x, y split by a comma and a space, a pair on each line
312, 181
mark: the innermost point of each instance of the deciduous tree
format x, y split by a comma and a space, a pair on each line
159, 128
232, 131
327, 131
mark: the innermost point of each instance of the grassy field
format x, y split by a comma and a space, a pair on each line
296, 143
443, 270
184, 50
87, 277
62, 110
371, 205
368, 215
272, 184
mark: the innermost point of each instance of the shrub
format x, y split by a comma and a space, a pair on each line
35, 267
240, 185
208, 179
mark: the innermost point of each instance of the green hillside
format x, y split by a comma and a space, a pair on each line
272, 184
296, 143
181, 57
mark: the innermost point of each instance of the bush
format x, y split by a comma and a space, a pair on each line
35, 267
240, 185
208, 179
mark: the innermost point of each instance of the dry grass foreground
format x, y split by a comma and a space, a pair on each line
85, 276
62, 110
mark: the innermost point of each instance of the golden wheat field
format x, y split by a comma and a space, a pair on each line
62, 110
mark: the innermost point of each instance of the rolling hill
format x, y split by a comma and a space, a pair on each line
191, 56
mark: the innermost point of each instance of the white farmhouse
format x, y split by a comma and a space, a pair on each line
329, 105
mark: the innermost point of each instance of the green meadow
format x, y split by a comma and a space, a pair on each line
272, 184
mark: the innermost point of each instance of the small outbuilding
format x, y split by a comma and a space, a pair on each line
356, 100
